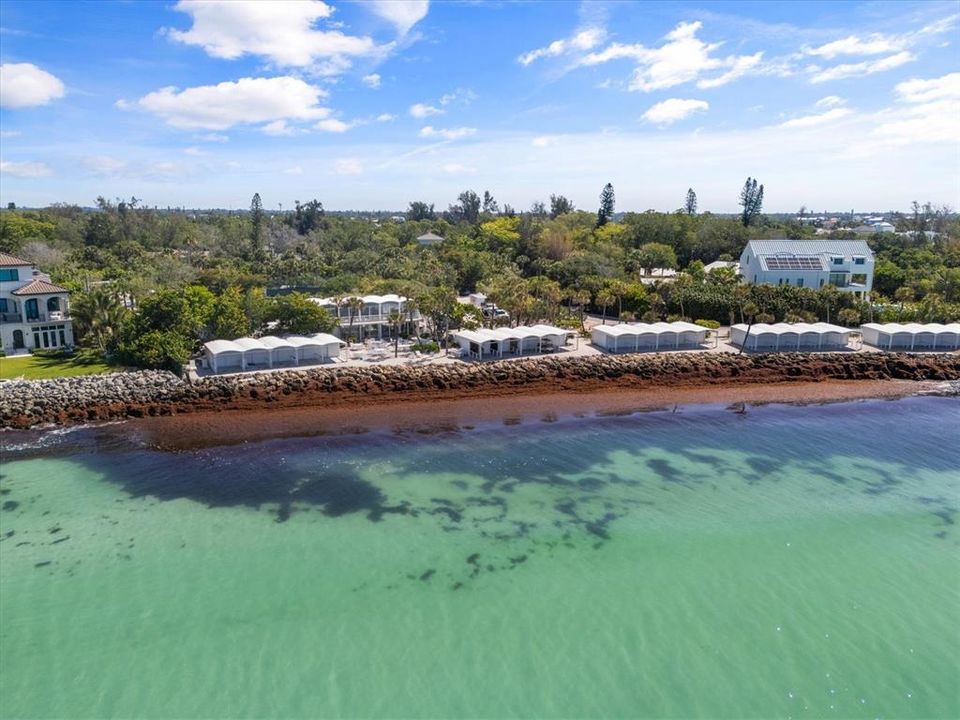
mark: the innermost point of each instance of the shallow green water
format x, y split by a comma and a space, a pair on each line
785, 562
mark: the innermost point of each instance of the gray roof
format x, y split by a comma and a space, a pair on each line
810, 247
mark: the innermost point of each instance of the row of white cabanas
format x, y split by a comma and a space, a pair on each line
912, 336
790, 336
267, 352
636, 337
511, 341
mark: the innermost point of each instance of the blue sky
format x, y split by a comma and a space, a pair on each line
368, 105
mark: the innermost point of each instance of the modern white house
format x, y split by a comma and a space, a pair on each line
369, 315
785, 337
845, 264
912, 336
34, 313
519, 340
221, 356
645, 337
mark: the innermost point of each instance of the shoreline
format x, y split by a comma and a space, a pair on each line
452, 413
663, 377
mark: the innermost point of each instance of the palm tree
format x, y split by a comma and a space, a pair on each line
749, 309
97, 317
605, 298
354, 307
903, 295
395, 318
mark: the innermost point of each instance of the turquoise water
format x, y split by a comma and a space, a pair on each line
781, 562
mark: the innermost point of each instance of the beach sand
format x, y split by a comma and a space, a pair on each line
456, 411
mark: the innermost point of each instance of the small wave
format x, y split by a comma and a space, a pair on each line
948, 388
45, 437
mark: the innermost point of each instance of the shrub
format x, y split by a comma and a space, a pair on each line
708, 324
426, 347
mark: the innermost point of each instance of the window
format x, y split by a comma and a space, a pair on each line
821, 282
859, 260
3, 305
799, 282
838, 261
7, 274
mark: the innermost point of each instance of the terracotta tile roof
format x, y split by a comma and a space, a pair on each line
12, 260
39, 287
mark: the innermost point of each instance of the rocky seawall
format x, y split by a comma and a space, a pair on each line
91, 398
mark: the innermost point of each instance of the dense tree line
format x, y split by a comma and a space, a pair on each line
150, 285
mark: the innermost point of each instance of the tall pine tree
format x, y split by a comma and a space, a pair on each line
751, 200
691, 204
607, 200
256, 225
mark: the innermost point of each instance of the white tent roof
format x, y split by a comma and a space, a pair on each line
215, 347
913, 328
520, 332
783, 328
270, 342
657, 328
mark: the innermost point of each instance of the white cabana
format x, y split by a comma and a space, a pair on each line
637, 337
912, 336
253, 353
782, 337
511, 341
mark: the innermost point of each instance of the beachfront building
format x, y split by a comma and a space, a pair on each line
34, 313
845, 264
787, 337
366, 316
521, 340
221, 356
912, 336
644, 337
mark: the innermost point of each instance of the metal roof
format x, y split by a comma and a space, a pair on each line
810, 247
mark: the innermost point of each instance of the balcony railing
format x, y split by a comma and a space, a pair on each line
11, 317
52, 316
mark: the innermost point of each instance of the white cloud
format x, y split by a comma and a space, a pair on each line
25, 85
463, 95
940, 88
195, 152
739, 66
818, 119
385, 117
293, 170
333, 125
9, 133
282, 31
860, 69
880, 44
674, 109
348, 166
928, 113
279, 128
402, 14
682, 58
458, 169
25, 169
586, 39
875, 44
105, 165
830, 101
222, 106
421, 110
213, 137
371, 81
543, 141
447, 133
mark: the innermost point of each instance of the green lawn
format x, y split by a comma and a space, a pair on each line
50, 365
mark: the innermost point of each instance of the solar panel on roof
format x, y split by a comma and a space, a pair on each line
793, 262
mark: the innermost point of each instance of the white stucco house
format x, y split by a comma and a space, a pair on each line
845, 264
34, 313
